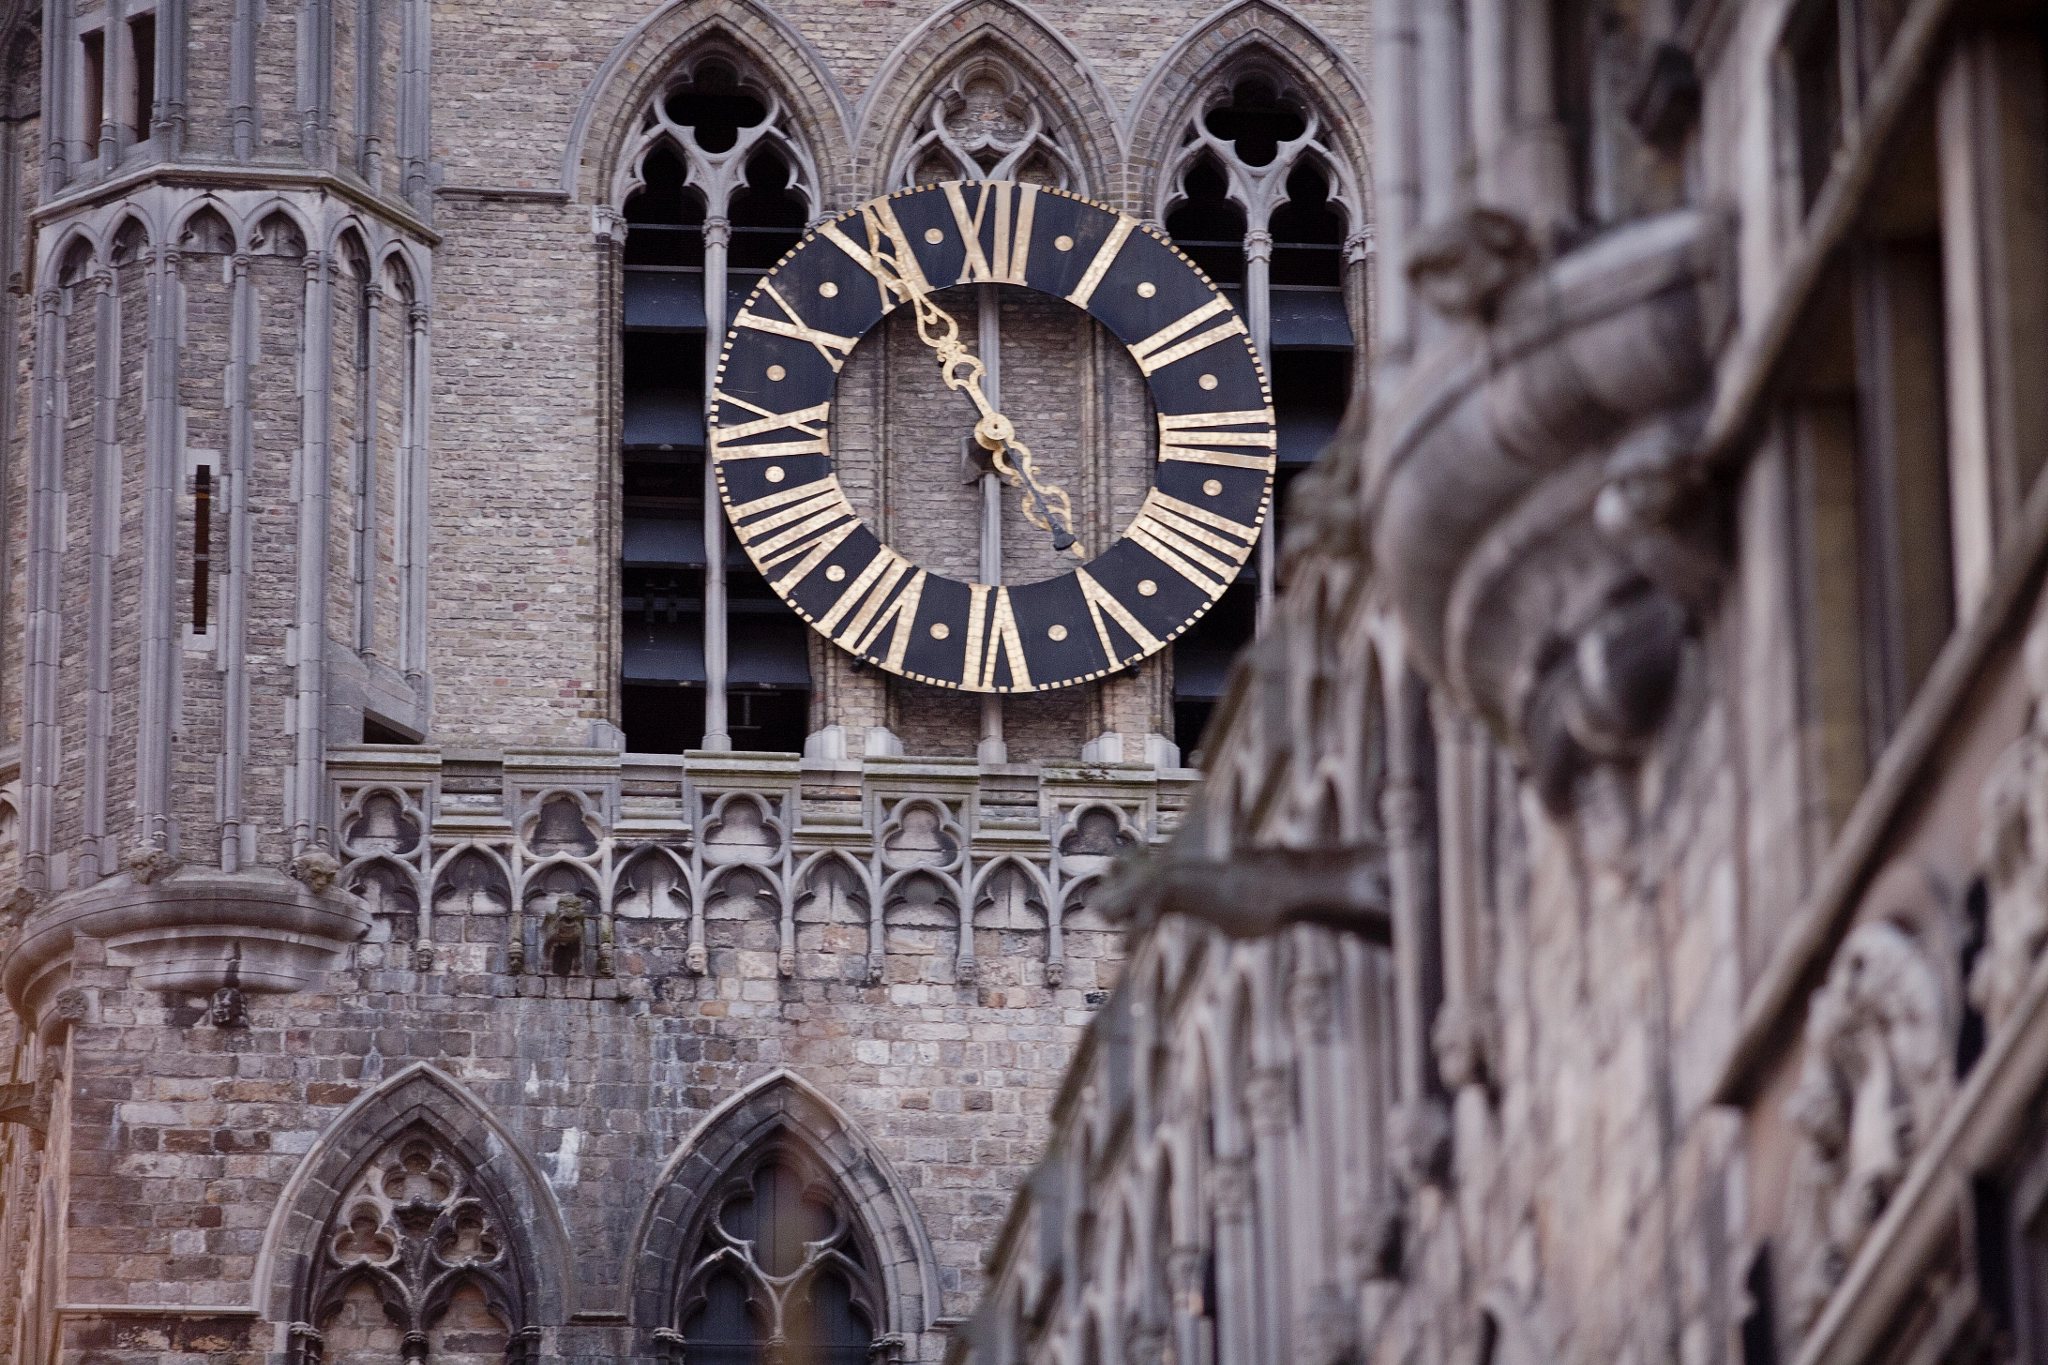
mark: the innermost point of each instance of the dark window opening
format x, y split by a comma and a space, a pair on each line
767, 215
93, 96
714, 108
1575, 33
1308, 233
142, 42
1759, 1331
1814, 46
1255, 122
1975, 932
377, 732
202, 544
1207, 226
1201, 659
665, 219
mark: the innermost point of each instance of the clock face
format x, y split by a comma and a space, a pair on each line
771, 424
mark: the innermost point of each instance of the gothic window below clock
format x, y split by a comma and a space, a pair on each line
663, 566
780, 1271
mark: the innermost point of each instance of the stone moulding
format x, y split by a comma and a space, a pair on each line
195, 930
1558, 624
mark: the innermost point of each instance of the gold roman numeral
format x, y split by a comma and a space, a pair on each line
1185, 538
871, 603
992, 636
804, 524
807, 422
1012, 231
1195, 436
887, 256
831, 345
1101, 601
1160, 349
1105, 257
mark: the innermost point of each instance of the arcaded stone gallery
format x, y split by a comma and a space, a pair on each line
822, 683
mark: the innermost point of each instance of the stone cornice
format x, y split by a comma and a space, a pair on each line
210, 175
1522, 479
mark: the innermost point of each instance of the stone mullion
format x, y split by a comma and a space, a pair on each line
717, 240
234, 588
103, 542
415, 523
156, 825
242, 78
308, 826
167, 119
56, 91
367, 426
1258, 307
414, 105
45, 570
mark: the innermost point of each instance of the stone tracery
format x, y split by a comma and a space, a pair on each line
416, 1229
985, 122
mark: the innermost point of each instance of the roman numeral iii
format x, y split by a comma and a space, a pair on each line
1203, 438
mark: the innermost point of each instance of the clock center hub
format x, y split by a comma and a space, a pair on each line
994, 431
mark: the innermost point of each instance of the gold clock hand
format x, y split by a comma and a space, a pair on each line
1046, 505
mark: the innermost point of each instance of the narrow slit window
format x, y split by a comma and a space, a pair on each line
202, 544
93, 94
142, 42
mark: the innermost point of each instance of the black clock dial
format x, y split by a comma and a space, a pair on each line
771, 422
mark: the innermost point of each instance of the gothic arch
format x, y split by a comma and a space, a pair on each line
420, 1099
607, 120
1064, 80
1266, 33
781, 1107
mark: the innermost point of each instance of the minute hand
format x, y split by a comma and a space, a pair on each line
1046, 505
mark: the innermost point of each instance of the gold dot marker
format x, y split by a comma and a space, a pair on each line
834, 574
828, 290
1147, 289
1056, 631
1063, 243
934, 236
940, 630
775, 373
1207, 381
1146, 587
774, 474
1212, 486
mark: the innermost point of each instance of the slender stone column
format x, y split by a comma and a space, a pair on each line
366, 528
1258, 313
416, 523
96, 858
242, 78
45, 571
717, 237
989, 317
161, 657
235, 847
315, 473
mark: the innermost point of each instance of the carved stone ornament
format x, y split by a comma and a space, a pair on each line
1537, 509
1256, 891
415, 1228
1878, 1070
147, 863
1463, 265
316, 868
2013, 847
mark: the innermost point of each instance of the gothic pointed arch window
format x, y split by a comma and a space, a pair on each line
782, 1269
415, 1264
1254, 192
714, 190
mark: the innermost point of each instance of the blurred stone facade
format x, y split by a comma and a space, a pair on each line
1610, 927
446, 913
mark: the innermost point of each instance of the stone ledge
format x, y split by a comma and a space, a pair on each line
196, 930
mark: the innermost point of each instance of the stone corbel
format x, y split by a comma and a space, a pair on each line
1539, 517
1257, 891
